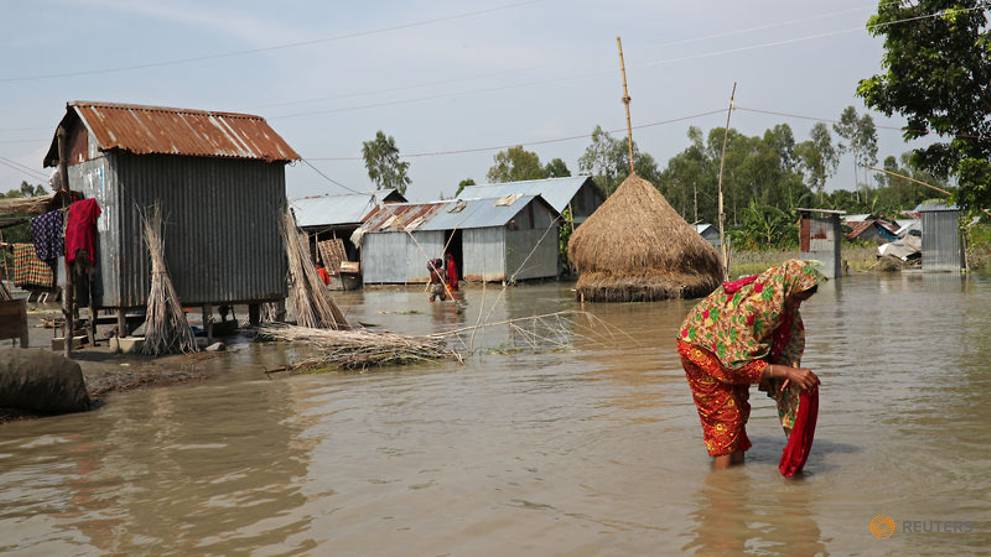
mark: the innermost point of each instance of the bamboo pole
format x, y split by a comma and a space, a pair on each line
722, 212
626, 103
68, 300
910, 179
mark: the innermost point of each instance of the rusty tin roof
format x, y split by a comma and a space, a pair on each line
145, 130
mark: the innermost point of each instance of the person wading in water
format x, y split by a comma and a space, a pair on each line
750, 331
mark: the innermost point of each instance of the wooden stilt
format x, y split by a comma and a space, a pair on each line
121, 323
626, 103
208, 323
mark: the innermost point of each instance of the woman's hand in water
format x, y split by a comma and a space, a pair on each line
801, 376
804, 378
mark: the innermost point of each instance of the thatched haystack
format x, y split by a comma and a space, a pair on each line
637, 248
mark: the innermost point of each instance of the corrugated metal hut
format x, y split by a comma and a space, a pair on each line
492, 239
325, 217
819, 238
578, 193
709, 233
220, 180
941, 246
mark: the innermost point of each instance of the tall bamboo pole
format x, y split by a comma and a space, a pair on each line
68, 300
626, 102
722, 212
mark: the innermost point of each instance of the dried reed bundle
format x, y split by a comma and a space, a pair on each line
25, 205
360, 348
636, 247
166, 328
308, 296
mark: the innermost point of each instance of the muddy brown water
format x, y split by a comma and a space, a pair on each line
590, 451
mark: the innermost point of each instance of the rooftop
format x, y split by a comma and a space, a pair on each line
145, 130
455, 214
332, 210
558, 192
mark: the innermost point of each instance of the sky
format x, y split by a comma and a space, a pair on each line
438, 76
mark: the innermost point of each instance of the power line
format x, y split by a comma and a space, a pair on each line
335, 38
834, 121
329, 179
601, 72
29, 173
25, 167
528, 143
529, 68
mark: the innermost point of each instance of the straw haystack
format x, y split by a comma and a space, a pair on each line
637, 248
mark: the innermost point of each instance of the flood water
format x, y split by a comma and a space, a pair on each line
590, 451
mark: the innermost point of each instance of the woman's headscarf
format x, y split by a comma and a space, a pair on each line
737, 322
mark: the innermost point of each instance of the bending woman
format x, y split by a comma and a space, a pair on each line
747, 332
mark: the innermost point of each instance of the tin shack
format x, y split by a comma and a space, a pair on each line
219, 178
941, 245
579, 194
492, 239
820, 238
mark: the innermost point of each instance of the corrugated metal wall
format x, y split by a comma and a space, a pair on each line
544, 261
95, 179
484, 252
393, 258
823, 243
941, 241
222, 240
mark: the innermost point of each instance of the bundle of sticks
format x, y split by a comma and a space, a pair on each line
358, 349
166, 329
308, 297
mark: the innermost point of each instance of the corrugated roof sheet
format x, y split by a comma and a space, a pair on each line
558, 192
145, 130
935, 206
331, 210
457, 214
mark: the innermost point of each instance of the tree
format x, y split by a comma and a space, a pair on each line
464, 184
382, 161
607, 159
859, 135
937, 74
818, 158
556, 169
515, 164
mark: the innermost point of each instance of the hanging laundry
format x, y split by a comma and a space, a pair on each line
29, 271
46, 231
80, 230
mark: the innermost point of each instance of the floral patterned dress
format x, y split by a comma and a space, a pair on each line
730, 337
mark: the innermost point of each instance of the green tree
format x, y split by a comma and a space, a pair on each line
818, 158
556, 169
464, 184
937, 74
859, 139
515, 164
607, 159
384, 166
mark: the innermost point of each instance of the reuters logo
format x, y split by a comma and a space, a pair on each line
882, 526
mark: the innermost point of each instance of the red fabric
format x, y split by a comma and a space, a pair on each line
324, 276
736, 285
452, 272
800, 441
782, 334
80, 229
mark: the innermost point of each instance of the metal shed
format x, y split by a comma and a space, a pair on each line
219, 178
578, 193
492, 239
820, 238
941, 246
327, 216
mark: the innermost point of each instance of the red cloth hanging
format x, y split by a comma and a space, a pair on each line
452, 272
80, 230
800, 441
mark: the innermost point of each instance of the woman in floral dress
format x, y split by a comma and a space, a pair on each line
747, 332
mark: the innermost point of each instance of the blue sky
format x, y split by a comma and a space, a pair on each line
526, 72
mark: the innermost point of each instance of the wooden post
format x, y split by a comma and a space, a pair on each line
68, 298
626, 102
254, 314
208, 324
695, 193
121, 323
722, 212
